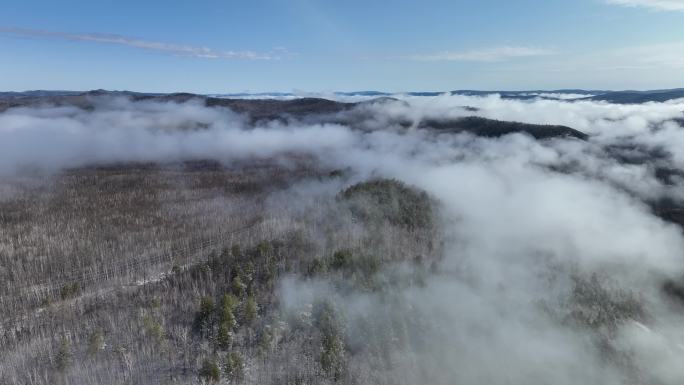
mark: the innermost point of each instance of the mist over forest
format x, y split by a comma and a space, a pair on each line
361, 238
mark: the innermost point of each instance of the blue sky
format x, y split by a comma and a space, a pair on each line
214, 46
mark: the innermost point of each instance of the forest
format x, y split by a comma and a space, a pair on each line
202, 303
182, 239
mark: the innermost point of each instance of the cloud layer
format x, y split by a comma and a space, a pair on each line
154, 46
495, 54
522, 218
662, 5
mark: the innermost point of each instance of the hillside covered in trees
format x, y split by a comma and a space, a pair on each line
206, 303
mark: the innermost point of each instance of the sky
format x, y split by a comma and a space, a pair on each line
223, 46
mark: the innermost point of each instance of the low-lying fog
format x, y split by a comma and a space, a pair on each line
524, 219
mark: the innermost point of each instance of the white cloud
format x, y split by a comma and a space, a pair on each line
485, 55
644, 57
663, 5
667, 55
169, 48
648, 66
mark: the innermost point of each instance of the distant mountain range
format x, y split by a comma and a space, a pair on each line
262, 108
618, 97
312, 110
637, 97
